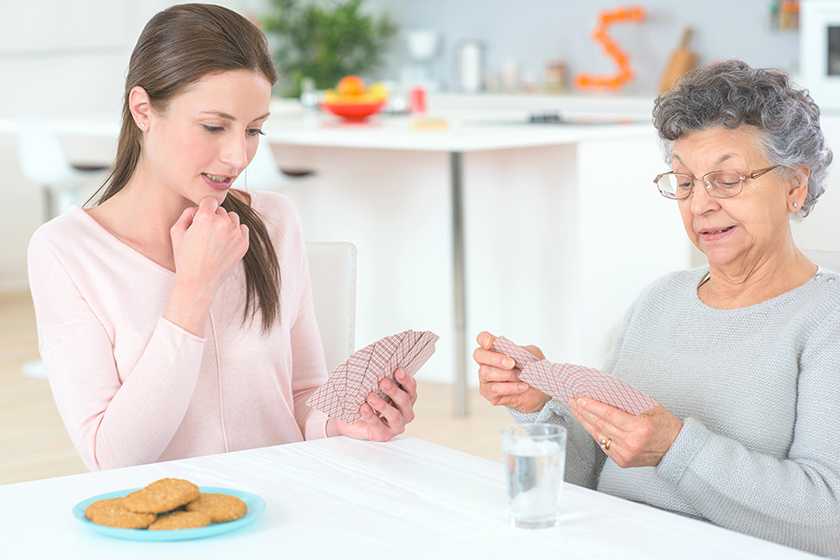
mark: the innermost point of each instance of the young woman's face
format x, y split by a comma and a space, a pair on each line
207, 135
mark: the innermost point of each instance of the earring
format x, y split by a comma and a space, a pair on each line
141, 125
795, 205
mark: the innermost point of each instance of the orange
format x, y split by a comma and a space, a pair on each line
351, 85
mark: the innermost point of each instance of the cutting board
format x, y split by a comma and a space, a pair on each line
682, 60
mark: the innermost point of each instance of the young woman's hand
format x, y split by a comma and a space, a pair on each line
381, 421
207, 242
499, 380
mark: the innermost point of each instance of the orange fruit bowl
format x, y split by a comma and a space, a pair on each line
353, 111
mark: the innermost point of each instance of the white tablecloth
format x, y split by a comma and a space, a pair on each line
341, 498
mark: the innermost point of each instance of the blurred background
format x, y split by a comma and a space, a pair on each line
562, 226
67, 58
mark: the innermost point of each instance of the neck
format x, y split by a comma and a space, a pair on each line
755, 280
141, 215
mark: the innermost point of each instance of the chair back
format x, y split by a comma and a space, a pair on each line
332, 271
41, 155
825, 259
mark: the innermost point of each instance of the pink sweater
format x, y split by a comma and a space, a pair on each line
132, 387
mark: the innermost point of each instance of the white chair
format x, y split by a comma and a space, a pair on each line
332, 271
825, 259
263, 174
43, 162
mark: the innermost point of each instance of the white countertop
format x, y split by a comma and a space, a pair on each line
464, 123
342, 498
469, 123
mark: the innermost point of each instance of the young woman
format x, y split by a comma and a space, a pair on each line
175, 316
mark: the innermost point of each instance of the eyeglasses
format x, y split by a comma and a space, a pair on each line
720, 184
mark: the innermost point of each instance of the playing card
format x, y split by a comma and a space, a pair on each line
349, 384
521, 356
567, 381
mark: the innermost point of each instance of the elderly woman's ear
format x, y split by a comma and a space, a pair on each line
798, 188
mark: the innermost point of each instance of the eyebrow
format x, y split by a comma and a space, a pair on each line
225, 116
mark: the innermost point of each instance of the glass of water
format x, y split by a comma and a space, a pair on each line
534, 461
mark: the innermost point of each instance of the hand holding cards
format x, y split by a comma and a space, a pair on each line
565, 382
347, 387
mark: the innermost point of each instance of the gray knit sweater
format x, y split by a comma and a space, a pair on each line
758, 390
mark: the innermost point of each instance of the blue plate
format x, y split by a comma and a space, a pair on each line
255, 504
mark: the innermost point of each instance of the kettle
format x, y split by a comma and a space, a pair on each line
468, 66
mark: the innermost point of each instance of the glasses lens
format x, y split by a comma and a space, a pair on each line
674, 185
724, 183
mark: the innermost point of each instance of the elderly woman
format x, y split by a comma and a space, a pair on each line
743, 355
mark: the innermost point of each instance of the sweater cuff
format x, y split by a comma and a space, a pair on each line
543, 416
169, 324
676, 460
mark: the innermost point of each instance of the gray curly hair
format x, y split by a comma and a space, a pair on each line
731, 93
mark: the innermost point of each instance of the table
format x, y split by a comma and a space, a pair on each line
343, 498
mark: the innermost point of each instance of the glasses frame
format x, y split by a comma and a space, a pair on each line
754, 175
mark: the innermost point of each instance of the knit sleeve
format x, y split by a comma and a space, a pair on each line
309, 368
112, 423
794, 501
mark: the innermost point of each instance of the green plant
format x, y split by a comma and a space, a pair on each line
324, 40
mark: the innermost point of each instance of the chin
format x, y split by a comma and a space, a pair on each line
219, 196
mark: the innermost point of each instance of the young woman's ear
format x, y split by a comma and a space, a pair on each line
138, 104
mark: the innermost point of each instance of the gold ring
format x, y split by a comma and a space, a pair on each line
605, 444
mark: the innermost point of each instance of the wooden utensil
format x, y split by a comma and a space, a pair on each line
682, 60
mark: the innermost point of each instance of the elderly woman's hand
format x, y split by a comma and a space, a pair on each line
381, 421
631, 441
499, 381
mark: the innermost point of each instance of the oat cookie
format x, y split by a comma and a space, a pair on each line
112, 513
220, 507
180, 520
161, 496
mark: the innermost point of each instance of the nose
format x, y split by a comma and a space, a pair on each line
235, 152
700, 199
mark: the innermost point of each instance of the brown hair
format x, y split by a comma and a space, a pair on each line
178, 47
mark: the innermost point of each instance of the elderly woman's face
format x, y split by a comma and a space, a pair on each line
738, 231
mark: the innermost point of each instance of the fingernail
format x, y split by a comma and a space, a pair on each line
508, 362
373, 399
400, 374
523, 387
386, 384
365, 408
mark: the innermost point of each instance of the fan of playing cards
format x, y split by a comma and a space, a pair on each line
566, 381
349, 384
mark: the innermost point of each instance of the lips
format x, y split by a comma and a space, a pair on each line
218, 181
715, 231
217, 178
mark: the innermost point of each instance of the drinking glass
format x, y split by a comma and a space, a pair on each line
534, 461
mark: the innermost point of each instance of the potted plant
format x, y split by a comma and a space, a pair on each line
324, 40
